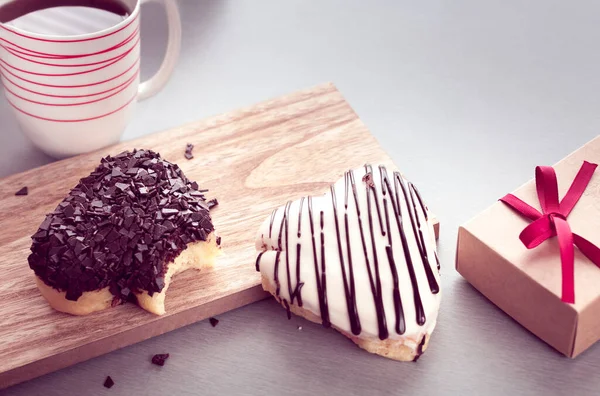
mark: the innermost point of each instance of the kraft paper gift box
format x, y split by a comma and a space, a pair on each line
528, 284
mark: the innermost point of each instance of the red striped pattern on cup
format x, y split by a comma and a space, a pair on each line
50, 90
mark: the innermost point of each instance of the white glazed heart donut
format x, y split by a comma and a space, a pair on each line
361, 258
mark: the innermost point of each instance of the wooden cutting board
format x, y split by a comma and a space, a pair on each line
252, 160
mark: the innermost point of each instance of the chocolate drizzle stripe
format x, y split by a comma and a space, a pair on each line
325, 319
300, 217
369, 171
420, 313
346, 177
423, 206
351, 271
280, 236
271, 223
293, 292
420, 348
425, 214
419, 227
319, 273
375, 283
284, 223
416, 226
287, 309
400, 321
348, 290
395, 200
384, 180
298, 290
276, 273
286, 214
258, 261
299, 284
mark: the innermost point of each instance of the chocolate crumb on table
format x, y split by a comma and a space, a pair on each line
22, 191
159, 359
188, 151
108, 382
213, 321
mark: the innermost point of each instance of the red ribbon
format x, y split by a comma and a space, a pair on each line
553, 221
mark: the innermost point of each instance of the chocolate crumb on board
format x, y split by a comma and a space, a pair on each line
159, 359
188, 151
212, 203
213, 321
22, 191
108, 382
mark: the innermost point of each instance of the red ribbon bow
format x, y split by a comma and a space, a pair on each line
553, 221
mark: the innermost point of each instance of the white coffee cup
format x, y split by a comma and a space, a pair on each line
75, 94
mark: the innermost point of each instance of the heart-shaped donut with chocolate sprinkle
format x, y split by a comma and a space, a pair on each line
122, 232
361, 259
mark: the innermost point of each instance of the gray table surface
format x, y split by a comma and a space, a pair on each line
466, 96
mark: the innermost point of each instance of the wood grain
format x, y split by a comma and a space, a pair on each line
252, 159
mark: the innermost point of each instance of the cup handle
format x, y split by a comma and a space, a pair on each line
158, 80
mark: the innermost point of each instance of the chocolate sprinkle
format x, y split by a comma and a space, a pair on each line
108, 382
159, 359
119, 227
116, 301
368, 180
213, 321
23, 191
